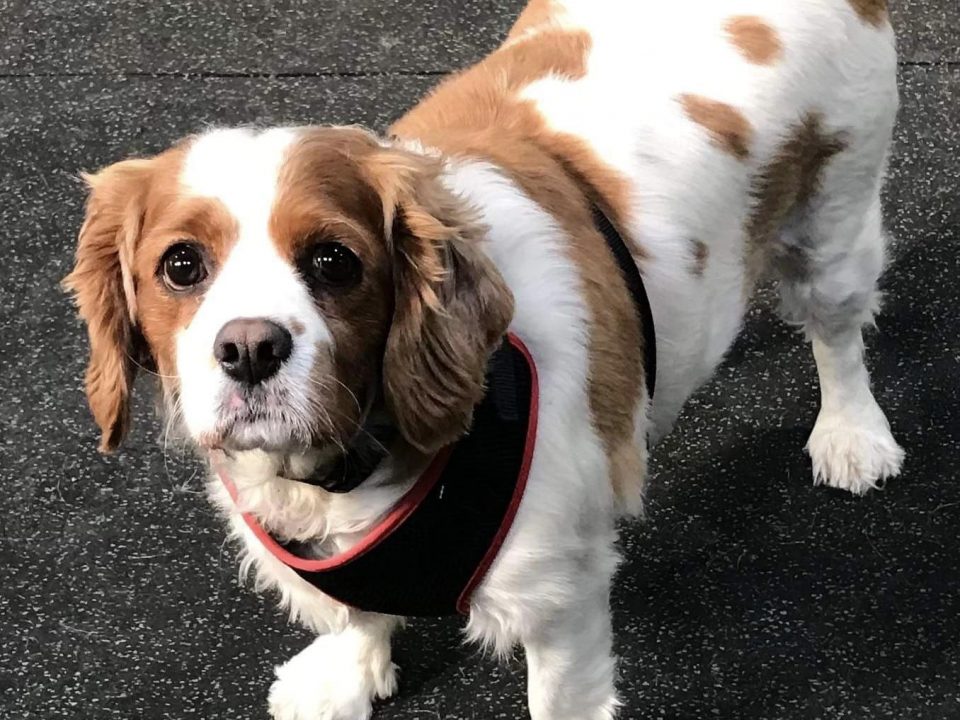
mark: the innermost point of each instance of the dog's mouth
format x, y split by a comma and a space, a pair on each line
336, 460
270, 430
262, 418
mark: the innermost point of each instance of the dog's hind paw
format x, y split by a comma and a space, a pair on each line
853, 456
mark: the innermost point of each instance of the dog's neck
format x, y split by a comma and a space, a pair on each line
270, 485
344, 469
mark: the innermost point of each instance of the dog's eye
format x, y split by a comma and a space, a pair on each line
182, 267
335, 265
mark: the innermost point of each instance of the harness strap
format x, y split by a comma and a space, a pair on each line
634, 282
435, 546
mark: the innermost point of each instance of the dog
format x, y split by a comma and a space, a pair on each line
309, 294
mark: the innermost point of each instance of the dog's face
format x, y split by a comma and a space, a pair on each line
284, 283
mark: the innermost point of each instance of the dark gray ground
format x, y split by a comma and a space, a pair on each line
747, 593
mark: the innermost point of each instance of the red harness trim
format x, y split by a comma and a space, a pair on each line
400, 512
411, 501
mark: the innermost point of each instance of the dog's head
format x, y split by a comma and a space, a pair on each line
283, 283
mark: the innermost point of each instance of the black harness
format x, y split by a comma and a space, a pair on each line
432, 550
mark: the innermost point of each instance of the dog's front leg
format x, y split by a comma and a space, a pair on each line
338, 676
570, 662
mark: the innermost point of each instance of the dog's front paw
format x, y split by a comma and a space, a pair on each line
853, 455
328, 682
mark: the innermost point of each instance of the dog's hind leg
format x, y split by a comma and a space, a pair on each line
828, 264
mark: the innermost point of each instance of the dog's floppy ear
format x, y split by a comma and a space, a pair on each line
451, 305
103, 287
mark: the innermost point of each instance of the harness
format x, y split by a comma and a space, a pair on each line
432, 550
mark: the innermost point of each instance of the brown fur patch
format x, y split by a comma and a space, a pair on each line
701, 252
785, 184
430, 305
628, 463
322, 196
169, 217
728, 128
479, 114
452, 306
468, 112
755, 39
134, 213
873, 12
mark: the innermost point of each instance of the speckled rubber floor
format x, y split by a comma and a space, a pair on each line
748, 593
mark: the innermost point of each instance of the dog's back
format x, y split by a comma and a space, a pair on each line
726, 135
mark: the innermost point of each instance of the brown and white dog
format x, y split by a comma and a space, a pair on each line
287, 285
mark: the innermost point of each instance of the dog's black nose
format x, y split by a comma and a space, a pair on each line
250, 350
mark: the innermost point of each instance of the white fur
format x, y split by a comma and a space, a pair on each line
337, 676
544, 598
239, 168
548, 588
687, 188
299, 511
851, 445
